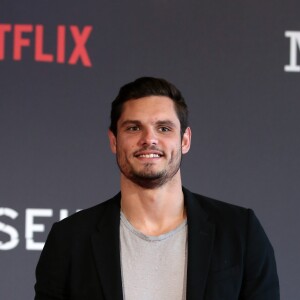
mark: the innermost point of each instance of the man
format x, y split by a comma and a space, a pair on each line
155, 239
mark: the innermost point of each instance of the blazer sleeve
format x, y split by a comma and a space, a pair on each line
52, 268
260, 274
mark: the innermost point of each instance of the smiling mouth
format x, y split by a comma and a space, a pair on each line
152, 155
149, 152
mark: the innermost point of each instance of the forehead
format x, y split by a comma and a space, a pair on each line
148, 108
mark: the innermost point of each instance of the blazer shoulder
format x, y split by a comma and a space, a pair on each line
215, 209
229, 219
88, 218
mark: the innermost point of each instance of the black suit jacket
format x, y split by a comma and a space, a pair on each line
229, 255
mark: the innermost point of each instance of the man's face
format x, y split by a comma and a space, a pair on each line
148, 144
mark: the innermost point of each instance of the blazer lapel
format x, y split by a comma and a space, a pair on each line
106, 249
200, 244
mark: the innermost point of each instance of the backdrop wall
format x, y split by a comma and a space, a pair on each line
62, 63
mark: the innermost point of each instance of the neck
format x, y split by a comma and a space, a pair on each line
153, 211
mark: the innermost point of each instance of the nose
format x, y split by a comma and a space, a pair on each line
148, 137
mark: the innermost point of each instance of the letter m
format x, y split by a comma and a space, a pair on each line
294, 46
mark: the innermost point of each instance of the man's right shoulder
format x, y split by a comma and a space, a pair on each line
88, 218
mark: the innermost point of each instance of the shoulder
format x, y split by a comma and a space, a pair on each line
215, 210
87, 220
239, 241
229, 220
233, 224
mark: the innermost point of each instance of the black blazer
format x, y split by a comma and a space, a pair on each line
229, 255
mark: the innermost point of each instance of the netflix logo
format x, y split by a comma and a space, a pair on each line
24, 36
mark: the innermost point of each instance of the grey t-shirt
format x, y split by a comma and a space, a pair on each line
153, 267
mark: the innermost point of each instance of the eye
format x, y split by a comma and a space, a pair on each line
164, 129
133, 128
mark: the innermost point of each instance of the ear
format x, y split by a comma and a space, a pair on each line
186, 141
112, 141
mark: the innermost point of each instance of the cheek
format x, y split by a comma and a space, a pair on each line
125, 146
174, 149
129, 142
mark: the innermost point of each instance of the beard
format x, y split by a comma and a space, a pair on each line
148, 178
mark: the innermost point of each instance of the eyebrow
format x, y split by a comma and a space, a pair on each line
166, 123
159, 122
128, 122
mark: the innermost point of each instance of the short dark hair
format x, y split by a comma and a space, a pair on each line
148, 86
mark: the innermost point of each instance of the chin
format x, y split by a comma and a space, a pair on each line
149, 183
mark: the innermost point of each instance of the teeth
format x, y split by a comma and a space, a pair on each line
149, 155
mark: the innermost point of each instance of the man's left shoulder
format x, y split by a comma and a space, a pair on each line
233, 224
213, 207
222, 214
